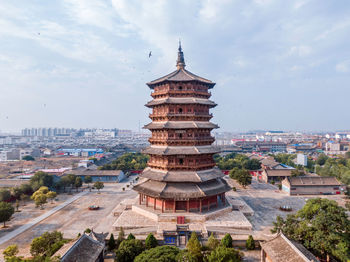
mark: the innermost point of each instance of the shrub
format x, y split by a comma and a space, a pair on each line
151, 241
234, 188
222, 253
213, 243
280, 186
272, 182
111, 243
128, 250
159, 254
130, 236
226, 241
250, 243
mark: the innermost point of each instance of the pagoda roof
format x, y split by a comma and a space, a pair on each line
180, 150
168, 190
182, 176
181, 100
180, 75
181, 125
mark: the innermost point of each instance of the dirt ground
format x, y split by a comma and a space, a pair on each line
74, 218
265, 200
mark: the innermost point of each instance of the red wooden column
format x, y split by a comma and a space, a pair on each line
188, 205
140, 199
174, 206
146, 201
154, 205
200, 205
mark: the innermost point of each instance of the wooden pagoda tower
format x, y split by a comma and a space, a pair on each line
181, 175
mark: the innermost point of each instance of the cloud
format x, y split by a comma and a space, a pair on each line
343, 67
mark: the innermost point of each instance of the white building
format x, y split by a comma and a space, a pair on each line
302, 159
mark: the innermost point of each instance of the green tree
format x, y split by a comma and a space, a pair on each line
224, 254
194, 247
98, 185
26, 189
10, 251
321, 160
121, 237
28, 158
65, 182
16, 192
41, 179
6, 211
213, 243
251, 164
151, 241
159, 254
78, 182
127, 162
111, 243
250, 243
46, 244
242, 176
5, 195
299, 171
128, 250
226, 241
130, 236
24, 198
321, 226
88, 180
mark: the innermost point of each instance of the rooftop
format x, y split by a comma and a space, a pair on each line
181, 74
281, 249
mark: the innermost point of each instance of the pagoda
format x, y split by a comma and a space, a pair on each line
181, 175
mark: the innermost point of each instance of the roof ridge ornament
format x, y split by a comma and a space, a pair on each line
180, 63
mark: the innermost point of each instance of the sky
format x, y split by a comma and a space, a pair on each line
278, 65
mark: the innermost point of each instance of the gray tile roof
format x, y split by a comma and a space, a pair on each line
85, 249
180, 150
281, 249
180, 75
180, 191
313, 181
182, 176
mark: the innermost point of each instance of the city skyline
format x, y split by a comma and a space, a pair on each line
278, 66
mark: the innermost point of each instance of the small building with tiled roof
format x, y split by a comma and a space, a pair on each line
311, 185
89, 247
275, 175
282, 249
98, 175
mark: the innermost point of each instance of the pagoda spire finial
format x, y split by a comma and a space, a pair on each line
180, 63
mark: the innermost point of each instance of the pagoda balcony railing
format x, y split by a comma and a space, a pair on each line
180, 114
181, 92
194, 139
182, 167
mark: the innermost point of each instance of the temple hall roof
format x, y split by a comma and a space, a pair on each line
178, 191
181, 125
182, 176
180, 150
181, 100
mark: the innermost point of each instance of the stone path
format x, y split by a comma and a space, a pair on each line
38, 219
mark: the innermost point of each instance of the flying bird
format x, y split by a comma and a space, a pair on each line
150, 54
